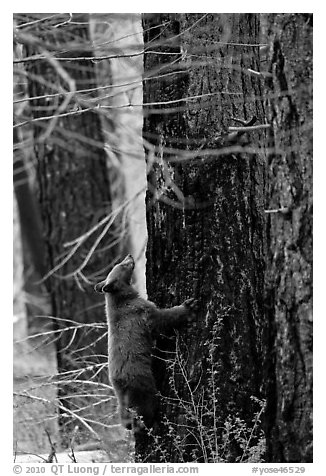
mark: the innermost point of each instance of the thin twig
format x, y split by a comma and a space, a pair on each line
24, 25
72, 442
282, 210
263, 74
249, 128
52, 454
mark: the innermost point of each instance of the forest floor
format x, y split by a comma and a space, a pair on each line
34, 413
36, 416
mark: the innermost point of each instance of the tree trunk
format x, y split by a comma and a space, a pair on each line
122, 125
34, 293
289, 233
74, 196
205, 227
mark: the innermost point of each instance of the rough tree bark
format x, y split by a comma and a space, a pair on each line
289, 233
74, 196
205, 227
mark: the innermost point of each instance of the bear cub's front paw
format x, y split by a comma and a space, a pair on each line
191, 306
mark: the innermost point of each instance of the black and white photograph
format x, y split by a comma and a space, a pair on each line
162, 240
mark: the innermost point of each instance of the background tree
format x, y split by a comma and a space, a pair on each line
205, 226
27, 206
289, 240
119, 37
74, 198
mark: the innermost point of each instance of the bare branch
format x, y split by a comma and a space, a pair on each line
61, 407
72, 88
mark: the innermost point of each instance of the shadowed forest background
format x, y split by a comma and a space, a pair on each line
185, 140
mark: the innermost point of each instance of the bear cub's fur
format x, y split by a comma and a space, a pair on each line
132, 322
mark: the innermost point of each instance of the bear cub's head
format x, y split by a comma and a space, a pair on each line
118, 278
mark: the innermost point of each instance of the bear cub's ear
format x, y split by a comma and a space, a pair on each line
99, 287
110, 287
104, 287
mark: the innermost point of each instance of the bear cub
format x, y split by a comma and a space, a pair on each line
132, 322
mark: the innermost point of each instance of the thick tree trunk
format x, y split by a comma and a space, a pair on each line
74, 196
289, 232
122, 125
205, 226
